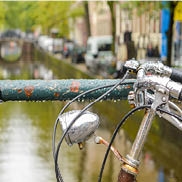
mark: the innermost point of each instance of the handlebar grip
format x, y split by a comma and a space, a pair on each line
176, 75
180, 96
175, 89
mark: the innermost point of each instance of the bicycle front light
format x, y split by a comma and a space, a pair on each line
82, 128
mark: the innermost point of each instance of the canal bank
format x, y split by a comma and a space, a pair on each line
62, 68
73, 66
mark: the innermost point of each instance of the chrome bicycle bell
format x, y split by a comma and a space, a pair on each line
82, 129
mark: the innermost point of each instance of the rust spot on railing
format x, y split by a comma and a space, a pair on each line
19, 91
75, 86
127, 86
56, 94
29, 90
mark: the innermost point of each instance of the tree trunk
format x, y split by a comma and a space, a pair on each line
87, 17
170, 33
111, 5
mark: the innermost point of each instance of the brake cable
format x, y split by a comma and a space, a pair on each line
120, 124
114, 135
58, 173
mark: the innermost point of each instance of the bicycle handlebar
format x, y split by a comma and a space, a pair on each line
156, 68
176, 75
169, 77
175, 89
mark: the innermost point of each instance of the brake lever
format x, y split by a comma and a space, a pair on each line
173, 120
170, 107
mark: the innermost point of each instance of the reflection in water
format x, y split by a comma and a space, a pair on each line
19, 161
41, 72
161, 176
26, 154
24, 70
10, 51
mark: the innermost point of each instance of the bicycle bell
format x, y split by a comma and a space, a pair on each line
82, 129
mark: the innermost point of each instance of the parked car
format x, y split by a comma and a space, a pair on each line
98, 48
57, 45
67, 48
41, 40
53, 45
48, 44
99, 58
78, 54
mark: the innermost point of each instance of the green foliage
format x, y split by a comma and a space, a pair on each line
28, 15
2, 18
142, 7
18, 15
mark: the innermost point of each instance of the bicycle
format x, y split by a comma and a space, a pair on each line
155, 89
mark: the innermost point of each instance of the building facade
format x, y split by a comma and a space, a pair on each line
146, 29
100, 18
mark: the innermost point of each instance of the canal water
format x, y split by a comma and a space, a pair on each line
26, 135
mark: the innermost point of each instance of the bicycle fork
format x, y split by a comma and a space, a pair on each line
129, 169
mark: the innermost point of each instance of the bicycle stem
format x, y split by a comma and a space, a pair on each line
140, 138
129, 170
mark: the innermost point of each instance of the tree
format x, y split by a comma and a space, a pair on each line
87, 17
56, 15
47, 14
20, 11
2, 14
111, 5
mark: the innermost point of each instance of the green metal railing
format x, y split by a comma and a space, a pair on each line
42, 90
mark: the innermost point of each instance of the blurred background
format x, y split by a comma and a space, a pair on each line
84, 39
138, 29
